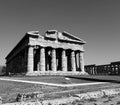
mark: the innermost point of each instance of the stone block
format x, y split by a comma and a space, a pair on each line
109, 92
89, 95
29, 96
61, 101
24, 103
97, 94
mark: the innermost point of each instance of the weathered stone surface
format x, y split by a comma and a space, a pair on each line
42, 59
82, 62
99, 94
54, 68
89, 98
29, 96
24, 103
107, 69
30, 59
68, 100
47, 55
110, 92
64, 63
73, 63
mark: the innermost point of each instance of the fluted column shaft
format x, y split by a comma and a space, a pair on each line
81, 61
42, 59
73, 63
30, 59
54, 66
64, 61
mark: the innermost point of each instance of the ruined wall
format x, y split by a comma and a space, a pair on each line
19, 63
110, 69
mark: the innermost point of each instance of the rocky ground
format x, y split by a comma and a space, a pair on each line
9, 90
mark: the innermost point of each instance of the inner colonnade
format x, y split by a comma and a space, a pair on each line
48, 60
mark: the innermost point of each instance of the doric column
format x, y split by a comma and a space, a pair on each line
81, 61
42, 59
54, 67
64, 61
73, 63
76, 60
30, 59
38, 66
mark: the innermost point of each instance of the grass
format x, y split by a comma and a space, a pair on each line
99, 78
52, 79
9, 89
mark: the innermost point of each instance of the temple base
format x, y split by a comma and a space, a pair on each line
84, 73
56, 73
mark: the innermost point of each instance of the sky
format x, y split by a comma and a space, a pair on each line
95, 21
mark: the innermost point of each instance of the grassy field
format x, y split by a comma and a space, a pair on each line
53, 79
101, 78
9, 90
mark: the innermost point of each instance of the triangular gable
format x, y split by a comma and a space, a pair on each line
34, 34
65, 36
51, 34
69, 37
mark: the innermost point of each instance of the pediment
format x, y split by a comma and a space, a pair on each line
63, 36
51, 34
34, 34
69, 37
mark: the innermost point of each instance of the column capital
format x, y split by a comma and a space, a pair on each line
81, 54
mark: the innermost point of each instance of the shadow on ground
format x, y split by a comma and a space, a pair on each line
97, 79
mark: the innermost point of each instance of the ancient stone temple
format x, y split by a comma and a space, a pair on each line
55, 53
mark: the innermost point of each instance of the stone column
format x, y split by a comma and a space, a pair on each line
54, 66
38, 67
73, 63
81, 62
76, 60
64, 61
30, 64
93, 70
42, 59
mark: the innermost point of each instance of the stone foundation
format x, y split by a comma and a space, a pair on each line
102, 97
56, 73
